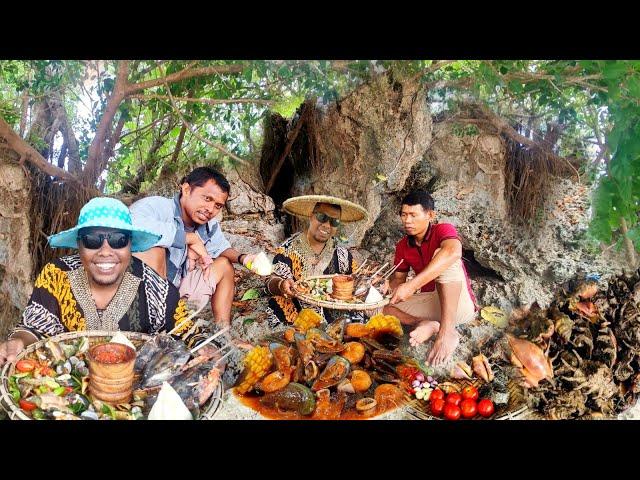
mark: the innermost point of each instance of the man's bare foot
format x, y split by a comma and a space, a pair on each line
445, 344
423, 332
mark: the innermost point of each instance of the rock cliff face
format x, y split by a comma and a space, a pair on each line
15, 258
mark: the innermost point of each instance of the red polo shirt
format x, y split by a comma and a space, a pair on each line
418, 257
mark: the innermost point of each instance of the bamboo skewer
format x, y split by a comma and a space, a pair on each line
379, 270
390, 272
191, 315
223, 357
208, 340
360, 267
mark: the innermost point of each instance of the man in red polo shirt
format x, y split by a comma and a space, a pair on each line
434, 252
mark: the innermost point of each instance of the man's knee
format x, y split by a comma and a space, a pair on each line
224, 265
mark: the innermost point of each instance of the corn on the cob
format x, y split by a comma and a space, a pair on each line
385, 324
306, 319
256, 365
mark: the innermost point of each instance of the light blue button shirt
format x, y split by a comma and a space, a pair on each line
162, 215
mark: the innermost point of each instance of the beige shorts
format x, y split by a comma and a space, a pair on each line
426, 305
195, 290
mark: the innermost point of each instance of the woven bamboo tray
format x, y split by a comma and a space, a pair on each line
370, 308
95, 336
514, 410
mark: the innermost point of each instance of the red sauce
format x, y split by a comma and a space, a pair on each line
111, 353
253, 402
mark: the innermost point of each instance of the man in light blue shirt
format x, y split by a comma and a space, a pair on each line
193, 253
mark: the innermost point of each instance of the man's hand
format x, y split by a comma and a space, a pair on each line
403, 292
10, 349
205, 263
286, 287
192, 259
248, 257
194, 242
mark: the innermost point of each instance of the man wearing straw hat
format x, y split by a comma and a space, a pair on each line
102, 287
309, 253
434, 252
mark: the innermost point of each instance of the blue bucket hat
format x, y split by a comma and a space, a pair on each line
107, 213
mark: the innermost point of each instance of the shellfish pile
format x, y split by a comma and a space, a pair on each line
591, 340
347, 368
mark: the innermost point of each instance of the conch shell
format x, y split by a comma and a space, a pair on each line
531, 359
461, 371
482, 368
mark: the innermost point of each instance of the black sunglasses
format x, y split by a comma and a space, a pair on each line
323, 218
116, 240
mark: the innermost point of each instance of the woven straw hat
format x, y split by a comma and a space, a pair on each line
303, 207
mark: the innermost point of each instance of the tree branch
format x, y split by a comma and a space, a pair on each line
29, 153
631, 253
183, 75
91, 170
210, 101
24, 112
199, 137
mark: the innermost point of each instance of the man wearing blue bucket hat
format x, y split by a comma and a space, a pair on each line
102, 287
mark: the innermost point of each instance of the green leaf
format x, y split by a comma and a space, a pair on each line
248, 321
614, 70
251, 294
633, 84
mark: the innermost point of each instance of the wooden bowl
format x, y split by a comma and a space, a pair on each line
342, 287
111, 372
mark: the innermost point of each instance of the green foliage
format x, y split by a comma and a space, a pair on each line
596, 102
460, 130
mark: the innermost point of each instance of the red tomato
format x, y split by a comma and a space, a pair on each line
25, 365
437, 394
470, 392
454, 398
46, 371
485, 407
27, 406
469, 408
437, 406
451, 411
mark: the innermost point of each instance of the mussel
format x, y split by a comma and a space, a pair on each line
293, 397
323, 343
336, 329
337, 369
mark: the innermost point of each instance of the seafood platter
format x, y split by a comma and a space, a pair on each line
357, 291
99, 375
344, 371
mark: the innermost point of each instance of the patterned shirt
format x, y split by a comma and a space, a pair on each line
163, 216
144, 302
294, 259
